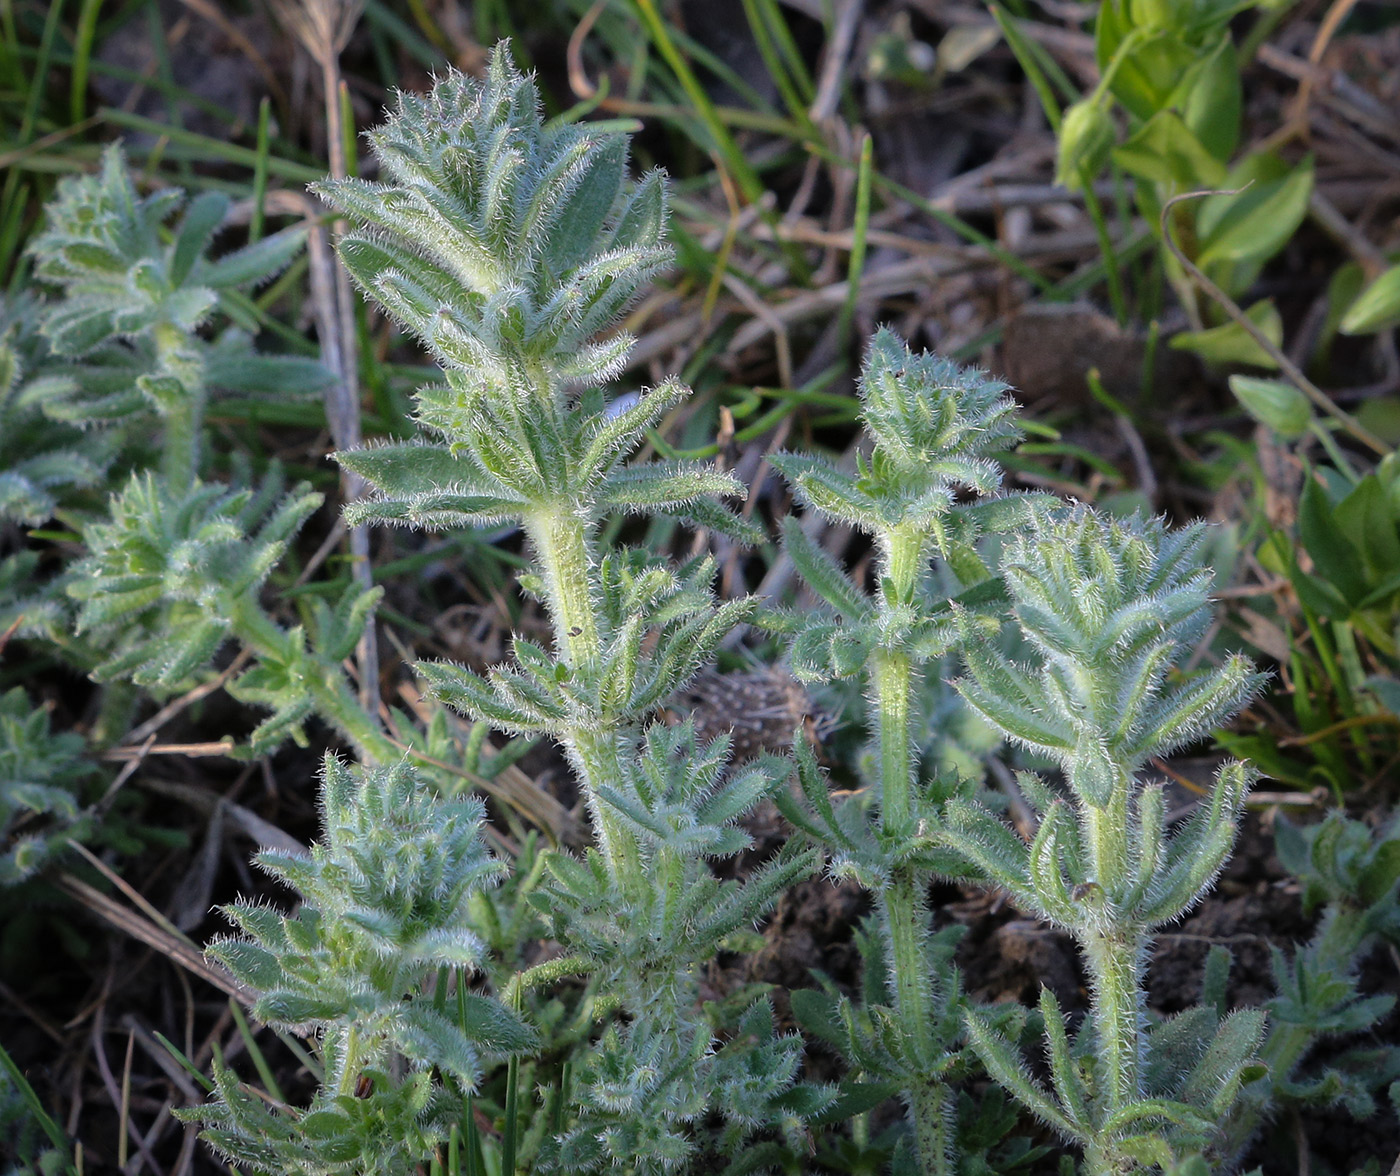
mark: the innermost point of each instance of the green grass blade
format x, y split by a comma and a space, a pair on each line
386, 22
255, 1052
185, 1064
209, 149
41, 73
787, 46
509, 1130
82, 55
36, 1108
763, 34
262, 151
1032, 62
856, 267
720, 138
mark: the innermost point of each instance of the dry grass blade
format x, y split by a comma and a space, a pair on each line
324, 28
169, 943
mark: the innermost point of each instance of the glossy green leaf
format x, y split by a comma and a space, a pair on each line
1231, 343
1377, 308
1274, 403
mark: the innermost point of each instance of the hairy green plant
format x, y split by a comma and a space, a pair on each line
1352, 872
177, 564
385, 901
134, 305
171, 575
42, 461
506, 246
935, 428
1113, 610
41, 774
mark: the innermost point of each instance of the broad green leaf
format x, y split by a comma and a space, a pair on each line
1212, 99
1166, 151
1277, 404
1377, 308
1381, 416
1148, 73
1231, 343
1254, 224
1366, 518
1333, 551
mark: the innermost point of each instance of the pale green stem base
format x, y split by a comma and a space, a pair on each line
184, 420
561, 541
904, 915
1115, 955
1115, 964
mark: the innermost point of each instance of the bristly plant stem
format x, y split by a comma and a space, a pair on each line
569, 569
935, 427
562, 542
1115, 954
903, 907
184, 415
1115, 959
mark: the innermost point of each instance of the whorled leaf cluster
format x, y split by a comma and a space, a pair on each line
386, 897
135, 309
43, 461
41, 778
1113, 608
168, 573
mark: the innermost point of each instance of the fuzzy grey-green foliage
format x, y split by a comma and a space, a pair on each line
509, 247
936, 428
506, 246
41, 776
1113, 609
166, 573
133, 309
43, 462
171, 575
1352, 873
385, 901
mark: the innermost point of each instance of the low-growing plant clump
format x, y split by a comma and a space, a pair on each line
469, 981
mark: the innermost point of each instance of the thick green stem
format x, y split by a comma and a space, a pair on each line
183, 413
931, 1107
894, 688
1115, 951
562, 546
903, 908
349, 1063
905, 918
561, 542
902, 557
1115, 960
596, 759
